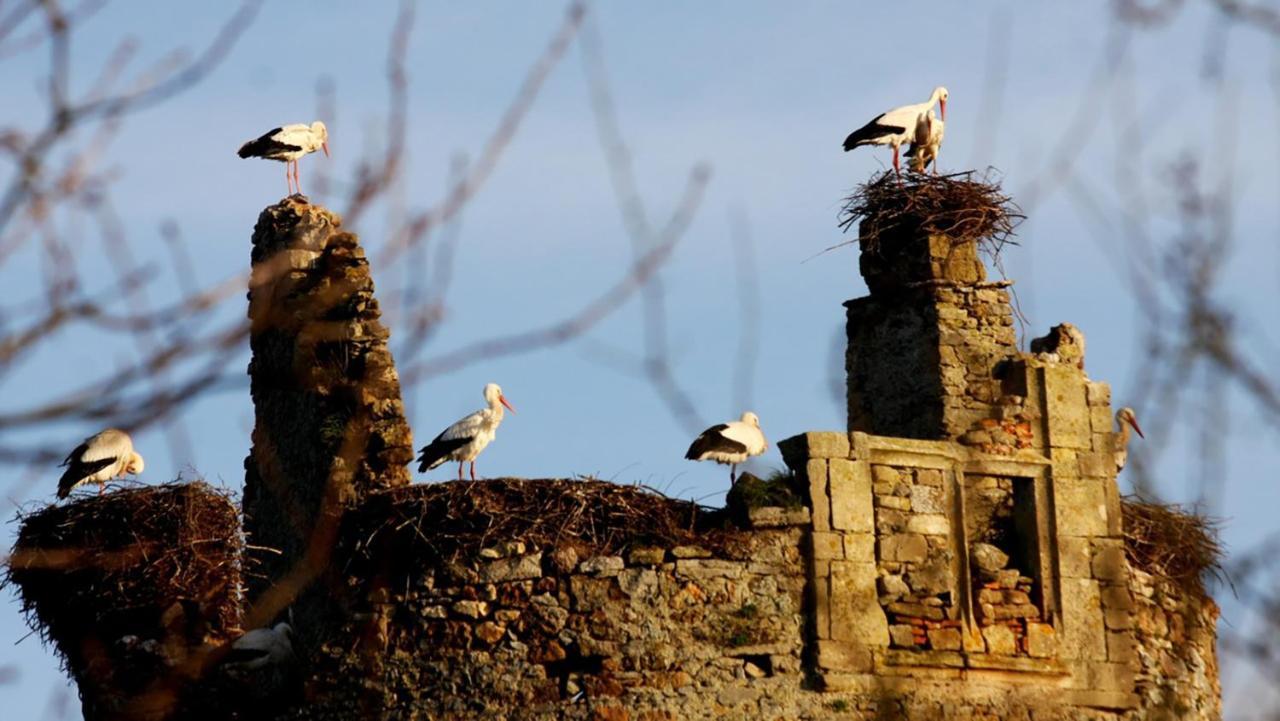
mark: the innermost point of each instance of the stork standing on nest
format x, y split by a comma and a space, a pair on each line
926, 143
102, 457
1125, 418
286, 144
730, 443
464, 440
896, 126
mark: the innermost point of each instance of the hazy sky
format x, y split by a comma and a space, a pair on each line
762, 92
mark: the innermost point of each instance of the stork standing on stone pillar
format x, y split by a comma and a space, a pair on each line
464, 440
286, 144
1125, 418
896, 126
730, 443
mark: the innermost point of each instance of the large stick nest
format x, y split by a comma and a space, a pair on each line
1173, 543
961, 206
93, 570
442, 522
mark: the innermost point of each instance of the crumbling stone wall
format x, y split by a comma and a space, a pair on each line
328, 420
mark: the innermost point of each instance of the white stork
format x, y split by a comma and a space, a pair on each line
730, 443
260, 648
287, 144
464, 440
1125, 417
896, 126
101, 458
926, 142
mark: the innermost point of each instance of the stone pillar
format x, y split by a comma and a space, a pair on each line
329, 424
925, 345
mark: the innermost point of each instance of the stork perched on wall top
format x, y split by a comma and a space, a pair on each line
896, 126
286, 144
464, 440
730, 443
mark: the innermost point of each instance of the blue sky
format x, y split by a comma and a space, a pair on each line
762, 92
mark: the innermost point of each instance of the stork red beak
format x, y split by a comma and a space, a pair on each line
1134, 422
942, 105
503, 401
326, 149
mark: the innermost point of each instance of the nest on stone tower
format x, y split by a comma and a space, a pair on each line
962, 206
1170, 542
128, 564
442, 522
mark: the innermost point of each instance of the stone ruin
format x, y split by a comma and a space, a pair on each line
956, 552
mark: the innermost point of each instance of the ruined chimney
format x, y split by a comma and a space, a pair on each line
329, 424
924, 345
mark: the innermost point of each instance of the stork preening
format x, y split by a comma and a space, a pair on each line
926, 143
464, 440
102, 457
286, 144
1125, 418
896, 126
730, 443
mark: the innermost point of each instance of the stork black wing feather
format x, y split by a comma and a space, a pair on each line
438, 450
79, 470
869, 132
266, 146
713, 440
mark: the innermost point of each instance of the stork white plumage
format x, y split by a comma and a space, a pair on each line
730, 443
896, 126
102, 457
1125, 418
286, 144
926, 143
260, 648
464, 440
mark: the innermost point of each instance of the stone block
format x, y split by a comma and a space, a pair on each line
1111, 677
1121, 647
929, 524
704, 568
929, 477
1116, 598
602, 566
778, 517
1117, 700
516, 568
640, 584
1100, 419
850, 489
1083, 634
1000, 640
1067, 408
836, 656
1080, 506
737, 695
902, 635
893, 587
932, 577
647, 555
1042, 640
471, 609
928, 499
860, 547
890, 521
945, 639
690, 552
896, 503
855, 608
827, 545
904, 547
821, 585
819, 500
816, 444
916, 610
1109, 562
1096, 465
1098, 393
1075, 557
885, 474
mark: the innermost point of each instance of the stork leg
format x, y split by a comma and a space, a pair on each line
460, 465
473, 470
288, 179
297, 180
896, 168
733, 473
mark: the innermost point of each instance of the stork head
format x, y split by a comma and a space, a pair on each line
940, 97
751, 419
1126, 415
135, 464
493, 396
321, 132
